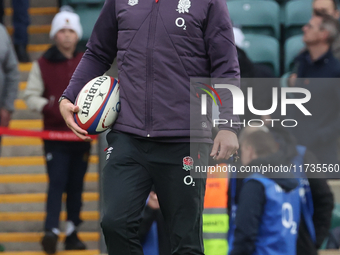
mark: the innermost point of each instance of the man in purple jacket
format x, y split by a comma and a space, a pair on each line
159, 45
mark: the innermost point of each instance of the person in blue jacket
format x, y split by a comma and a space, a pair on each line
318, 200
268, 207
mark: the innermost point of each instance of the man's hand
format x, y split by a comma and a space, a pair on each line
225, 145
5, 117
67, 110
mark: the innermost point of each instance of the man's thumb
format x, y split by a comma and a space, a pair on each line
75, 108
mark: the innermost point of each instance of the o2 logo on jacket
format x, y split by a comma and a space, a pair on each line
180, 22
287, 218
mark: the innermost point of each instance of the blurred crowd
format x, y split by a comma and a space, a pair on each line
252, 201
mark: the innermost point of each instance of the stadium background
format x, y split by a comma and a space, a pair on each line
272, 37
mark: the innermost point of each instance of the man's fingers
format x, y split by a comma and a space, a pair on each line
72, 124
67, 110
225, 145
214, 150
226, 152
76, 128
81, 135
223, 151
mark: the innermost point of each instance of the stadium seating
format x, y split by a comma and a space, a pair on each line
256, 17
297, 14
88, 17
263, 49
292, 48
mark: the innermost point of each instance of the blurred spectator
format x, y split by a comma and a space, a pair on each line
316, 219
329, 7
320, 205
66, 161
21, 22
261, 225
9, 77
319, 131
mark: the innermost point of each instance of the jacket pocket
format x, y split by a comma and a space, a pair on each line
192, 53
124, 39
196, 66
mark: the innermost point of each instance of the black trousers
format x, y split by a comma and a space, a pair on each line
66, 166
133, 166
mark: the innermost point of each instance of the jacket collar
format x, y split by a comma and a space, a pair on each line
323, 59
54, 55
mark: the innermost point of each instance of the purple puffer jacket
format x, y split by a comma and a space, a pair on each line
159, 45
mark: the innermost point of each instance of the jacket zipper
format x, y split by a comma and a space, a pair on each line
149, 65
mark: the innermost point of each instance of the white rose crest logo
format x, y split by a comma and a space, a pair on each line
132, 2
183, 6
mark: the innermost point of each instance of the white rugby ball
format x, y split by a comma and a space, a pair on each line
99, 104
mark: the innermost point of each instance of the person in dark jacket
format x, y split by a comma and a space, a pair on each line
264, 200
66, 160
159, 45
21, 22
318, 131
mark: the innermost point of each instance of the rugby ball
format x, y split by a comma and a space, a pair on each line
99, 104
